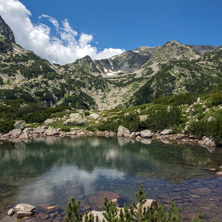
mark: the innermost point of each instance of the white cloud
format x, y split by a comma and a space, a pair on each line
65, 46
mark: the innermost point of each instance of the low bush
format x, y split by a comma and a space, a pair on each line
162, 119
6, 125
212, 129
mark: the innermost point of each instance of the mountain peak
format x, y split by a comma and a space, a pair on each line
5, 31
173, 43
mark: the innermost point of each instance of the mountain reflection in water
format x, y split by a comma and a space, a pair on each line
51, 170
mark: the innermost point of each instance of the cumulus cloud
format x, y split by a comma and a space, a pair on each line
65, 45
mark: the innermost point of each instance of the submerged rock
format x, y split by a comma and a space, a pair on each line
21, 214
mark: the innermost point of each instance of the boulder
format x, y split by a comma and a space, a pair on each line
39, 131
94, 116
20, 124
51, 132
208, 142
133, 135
15, 133
75, 120
166, 132
122, 130
146, 134
99, 214
80, 134
24, 208
112, 134
11, 212
150, 203
48, 121
143, 118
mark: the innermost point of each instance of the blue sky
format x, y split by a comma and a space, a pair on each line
128, 24
131, 23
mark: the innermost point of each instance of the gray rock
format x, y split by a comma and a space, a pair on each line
15, 133
49, 121
133, 135
150, 203
20, 124
166, 132
51, 132
75, 120
39, 131
24, 208
122, 130
208, 142
143, 118
211, 118
94, 116
146, 134
11, 212
98, 214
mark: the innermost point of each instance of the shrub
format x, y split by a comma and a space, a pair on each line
110, 125
135, 213
87, 113
131, 122
162, 119
212, 129
216, 99
6, 125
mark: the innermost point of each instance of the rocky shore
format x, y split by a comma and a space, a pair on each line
145, 136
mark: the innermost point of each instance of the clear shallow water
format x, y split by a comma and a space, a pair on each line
53, 170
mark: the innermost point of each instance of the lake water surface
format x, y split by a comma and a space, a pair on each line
53, 170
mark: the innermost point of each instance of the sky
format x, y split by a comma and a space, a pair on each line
63, 31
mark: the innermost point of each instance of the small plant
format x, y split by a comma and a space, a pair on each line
73, 211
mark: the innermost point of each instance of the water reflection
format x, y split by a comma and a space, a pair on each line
53, 169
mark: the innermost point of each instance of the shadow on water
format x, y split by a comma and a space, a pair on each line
52, 170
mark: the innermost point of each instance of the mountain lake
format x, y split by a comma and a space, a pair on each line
52, 170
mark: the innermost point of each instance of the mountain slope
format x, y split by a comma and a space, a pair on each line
131, 78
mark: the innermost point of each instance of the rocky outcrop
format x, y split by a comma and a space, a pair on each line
75, 120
